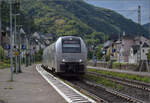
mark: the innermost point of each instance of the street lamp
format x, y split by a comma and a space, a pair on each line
21, 31
0, 22
15, 41
11, 53
15, 15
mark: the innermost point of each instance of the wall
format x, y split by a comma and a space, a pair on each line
122, 66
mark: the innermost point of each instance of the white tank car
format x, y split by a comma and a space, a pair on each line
68, 55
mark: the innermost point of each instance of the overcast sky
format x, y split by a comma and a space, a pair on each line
128, 8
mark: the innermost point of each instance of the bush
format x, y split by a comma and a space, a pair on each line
107, 57
38, 55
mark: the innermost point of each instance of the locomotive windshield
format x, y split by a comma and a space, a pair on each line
71, 46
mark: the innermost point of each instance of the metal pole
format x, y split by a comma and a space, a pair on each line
119, 51
34, 57
149, 16
25, 58
15, 37
20, 58
15, 40
20, 53
139, 14
0, 28
0, 23
149, 29
11, 53
19, 49
105, 53
27, 51
139, 22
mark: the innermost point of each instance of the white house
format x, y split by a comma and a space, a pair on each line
138, 52
144, 50
133, 54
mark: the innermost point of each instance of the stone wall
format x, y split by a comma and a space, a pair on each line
114, 65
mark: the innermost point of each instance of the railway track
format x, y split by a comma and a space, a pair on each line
134, 89
132, 83
106, 95
100, 93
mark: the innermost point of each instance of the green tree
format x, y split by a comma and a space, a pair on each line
148, 55
1, 53
98, 52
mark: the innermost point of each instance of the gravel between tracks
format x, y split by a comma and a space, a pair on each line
100, 92
135, 92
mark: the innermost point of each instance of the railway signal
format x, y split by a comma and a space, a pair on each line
23, 47
7, 47
16, 53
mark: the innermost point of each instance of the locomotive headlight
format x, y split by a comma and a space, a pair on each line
63, 60
80, 60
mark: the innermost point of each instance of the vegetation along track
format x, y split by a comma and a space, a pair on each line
130, 87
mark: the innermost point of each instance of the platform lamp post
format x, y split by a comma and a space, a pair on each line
0, 23
32, 50
21, 31
0, 30
15, 40
11, 48
26, 52
26, 43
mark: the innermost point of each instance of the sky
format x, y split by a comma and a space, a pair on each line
127, 8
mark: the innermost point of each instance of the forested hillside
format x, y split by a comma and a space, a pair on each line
75, 17
146, 26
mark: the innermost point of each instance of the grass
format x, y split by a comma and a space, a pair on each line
104, 81
4, 65
122, 75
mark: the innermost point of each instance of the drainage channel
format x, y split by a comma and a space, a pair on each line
70, 94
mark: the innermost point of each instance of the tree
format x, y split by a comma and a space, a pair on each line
98, 52
148, 55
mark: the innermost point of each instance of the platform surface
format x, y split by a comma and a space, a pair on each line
27, 87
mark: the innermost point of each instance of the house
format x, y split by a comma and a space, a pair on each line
126, 44
119, 50
138, 52
144, 50
133, 57
128, 49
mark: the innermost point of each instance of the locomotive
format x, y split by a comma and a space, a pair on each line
67, 56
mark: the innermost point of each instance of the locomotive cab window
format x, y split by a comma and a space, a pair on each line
71, 46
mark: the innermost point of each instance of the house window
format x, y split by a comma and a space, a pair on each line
143, 50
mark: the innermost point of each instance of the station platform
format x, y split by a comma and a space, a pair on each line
27, 87
121, 71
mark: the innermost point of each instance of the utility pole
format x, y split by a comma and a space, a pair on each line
19, 48
11, 52
139, 22
27, 53
119, 51
139, 14
149, 31
20, 42
15, 41
0, 28
0, 23
149, 17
